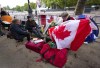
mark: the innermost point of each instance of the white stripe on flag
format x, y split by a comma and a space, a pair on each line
71, 25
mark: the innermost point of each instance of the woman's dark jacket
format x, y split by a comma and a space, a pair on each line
17, 31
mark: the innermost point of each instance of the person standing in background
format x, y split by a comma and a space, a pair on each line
65, 16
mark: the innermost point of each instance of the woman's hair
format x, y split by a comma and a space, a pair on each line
64, 14
15, 21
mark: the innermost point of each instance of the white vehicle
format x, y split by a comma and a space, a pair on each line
42, 9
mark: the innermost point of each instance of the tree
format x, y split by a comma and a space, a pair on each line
18, 8
51, 3
33, 5
68, 3
22, 8
7, 7
59, 3
26, 6
80, 7
71, 3
13, 8
93, 2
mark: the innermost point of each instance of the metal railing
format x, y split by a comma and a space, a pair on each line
96, 19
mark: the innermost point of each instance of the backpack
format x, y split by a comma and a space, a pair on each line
34, 47
90, 38
54, 56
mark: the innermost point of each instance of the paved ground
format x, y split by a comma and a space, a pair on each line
20, 57
17, 57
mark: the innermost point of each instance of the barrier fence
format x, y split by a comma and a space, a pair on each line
97, 19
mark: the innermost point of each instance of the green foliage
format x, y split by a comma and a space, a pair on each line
60, 3
93, 2
33, 5
18, 8
68, 3
51, 3
54, 4
71, 2
24, 7
14, 8
7, 7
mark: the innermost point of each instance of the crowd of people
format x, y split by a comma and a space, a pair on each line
15, 27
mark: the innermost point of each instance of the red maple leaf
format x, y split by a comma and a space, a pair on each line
60, 33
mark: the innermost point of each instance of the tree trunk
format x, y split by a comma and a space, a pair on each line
80, 7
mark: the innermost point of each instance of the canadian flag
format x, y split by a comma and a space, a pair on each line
70, 34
